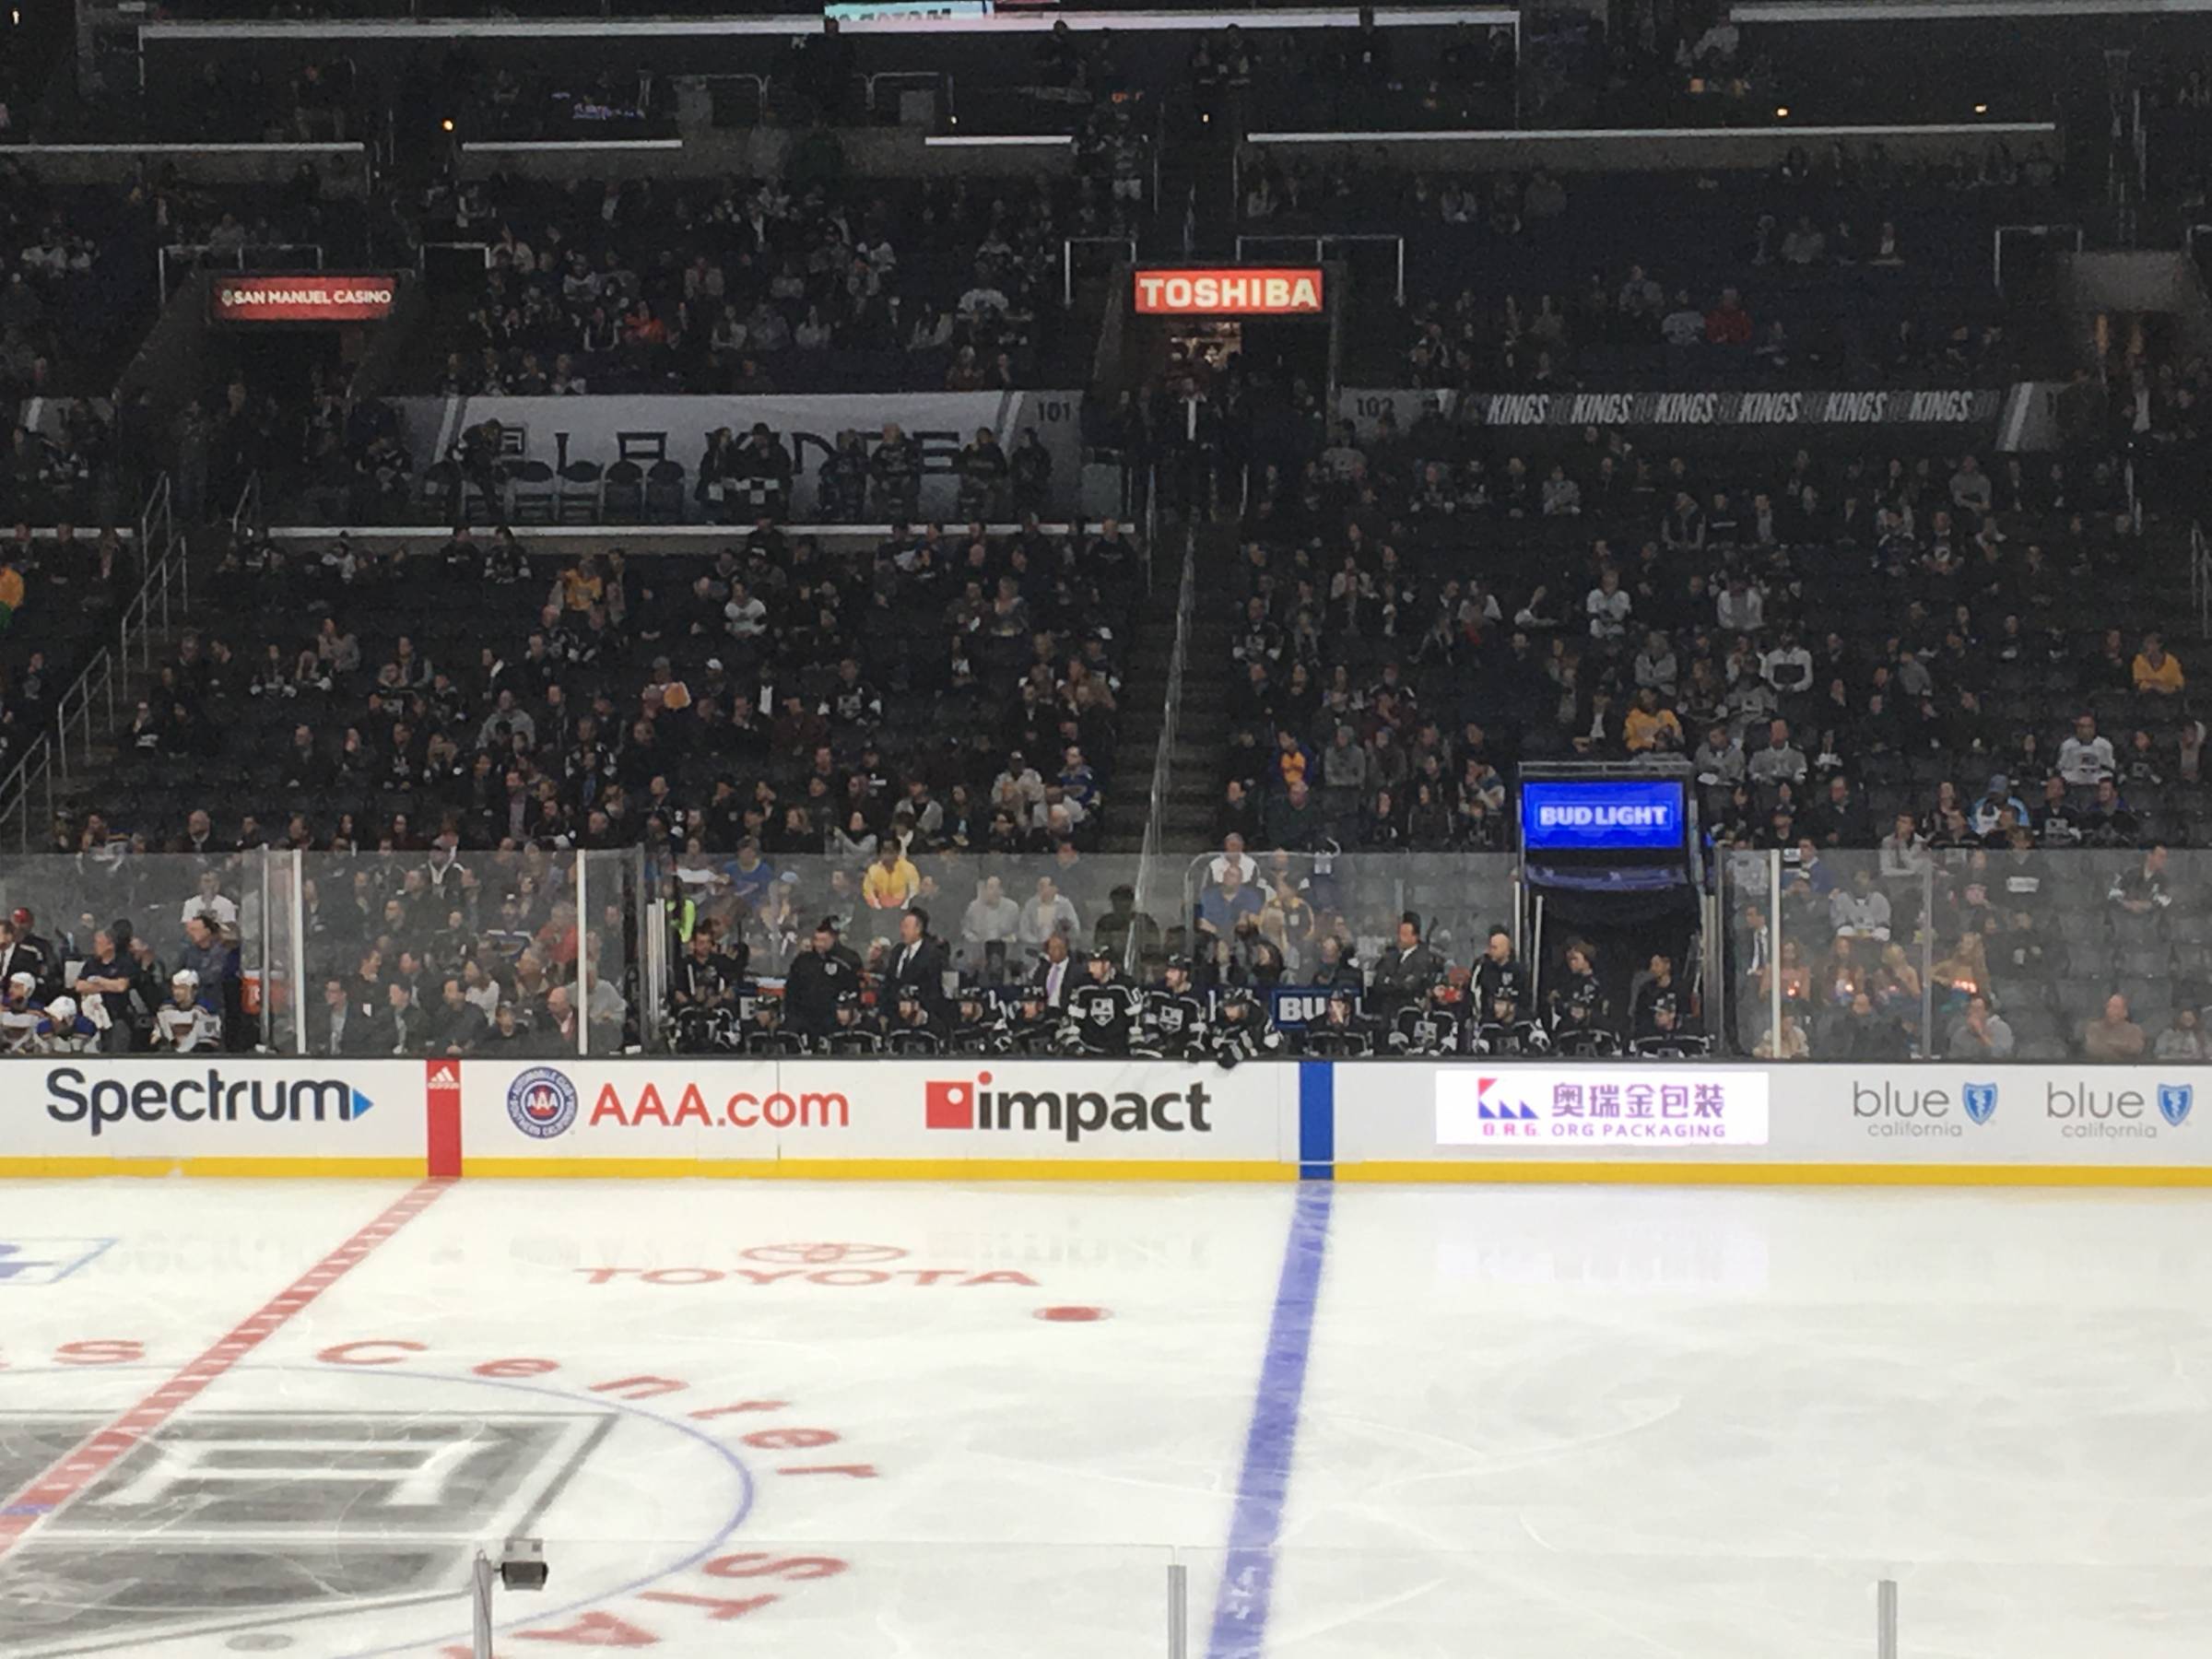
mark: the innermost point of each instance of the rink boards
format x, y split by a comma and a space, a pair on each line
1023, 1119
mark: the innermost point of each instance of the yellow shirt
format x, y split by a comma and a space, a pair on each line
580, 591
890, 889
2166, 676
1640, 731
11, 587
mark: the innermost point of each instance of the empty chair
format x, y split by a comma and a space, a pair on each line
577, 499
530, 494
664, 493
622, 493
2145, 960
434, 489
2148, 999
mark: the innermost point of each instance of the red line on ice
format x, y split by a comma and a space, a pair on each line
68, 1478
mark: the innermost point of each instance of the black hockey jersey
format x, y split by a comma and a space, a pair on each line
1102, 1020
1430, 1029
1174, 1023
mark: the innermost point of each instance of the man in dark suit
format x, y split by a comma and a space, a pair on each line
919, 960
1055, 975
22, 954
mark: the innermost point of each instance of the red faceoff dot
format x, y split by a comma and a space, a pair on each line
1073, 1315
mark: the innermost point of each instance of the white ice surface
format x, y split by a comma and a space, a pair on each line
1544, 1423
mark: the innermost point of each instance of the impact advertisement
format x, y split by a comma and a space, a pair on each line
932, 1115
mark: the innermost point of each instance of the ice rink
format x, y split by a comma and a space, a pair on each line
847, 1419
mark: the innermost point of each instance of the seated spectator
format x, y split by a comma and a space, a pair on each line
2154, 670
2113, 1035
1982, 1034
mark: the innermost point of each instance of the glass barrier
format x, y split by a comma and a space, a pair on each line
1964, 955
1272, 917
104, 938
997, 915
1971, 955
436, 953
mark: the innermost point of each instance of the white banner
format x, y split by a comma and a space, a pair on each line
557, 430
1542, 1109
1926, 1115
192, 1109
955, 1109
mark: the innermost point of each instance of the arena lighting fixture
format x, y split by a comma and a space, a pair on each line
1981, 108
447, 124
1782, 112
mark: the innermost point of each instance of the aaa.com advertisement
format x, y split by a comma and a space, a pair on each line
953, 1109
1833, 1115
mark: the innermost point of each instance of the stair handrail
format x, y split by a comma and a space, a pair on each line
2200, 577
1148, 866
164, 591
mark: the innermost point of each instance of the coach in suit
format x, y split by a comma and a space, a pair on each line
1056, 973
919, 960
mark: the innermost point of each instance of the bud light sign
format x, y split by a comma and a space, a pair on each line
1613, 816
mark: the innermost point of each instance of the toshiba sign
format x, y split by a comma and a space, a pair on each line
1230, 293
311, 298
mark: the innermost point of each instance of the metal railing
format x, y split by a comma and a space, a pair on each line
1151, 877
1067, 259
205, 254
163, 594
1322, 245
2200, 578
246, 515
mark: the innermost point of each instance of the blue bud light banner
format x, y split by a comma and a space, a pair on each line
1611, 815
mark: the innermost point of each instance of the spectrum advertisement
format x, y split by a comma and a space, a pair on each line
208, 1112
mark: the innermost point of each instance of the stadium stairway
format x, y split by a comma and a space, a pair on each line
1201, 732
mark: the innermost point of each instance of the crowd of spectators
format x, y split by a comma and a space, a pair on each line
1841, 266
938, 695
1872, 664
761, 285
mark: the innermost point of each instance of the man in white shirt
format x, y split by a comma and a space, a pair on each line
992, 918
210, 901
1904, 850
1860, 911
1741, 607
1233, 854
1971, 488
747, 618
2085, 760
1609, 607
1050, 913
1788, 668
